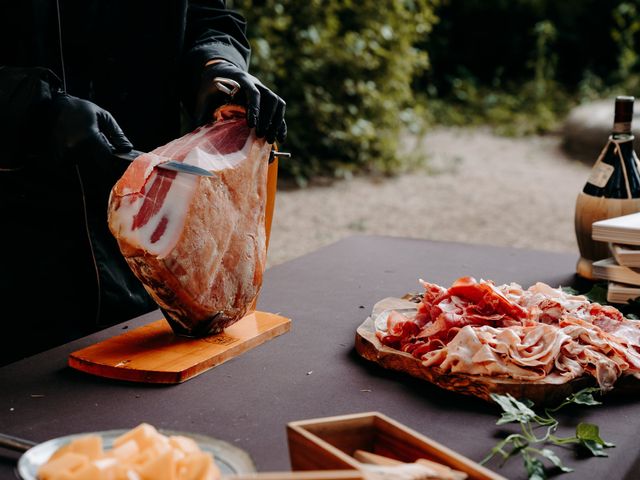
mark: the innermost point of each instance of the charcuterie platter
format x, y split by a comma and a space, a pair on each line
477, 339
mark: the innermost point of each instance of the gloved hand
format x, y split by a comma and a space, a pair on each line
265, 109
80, 125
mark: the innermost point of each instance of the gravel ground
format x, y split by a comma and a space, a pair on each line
475, 187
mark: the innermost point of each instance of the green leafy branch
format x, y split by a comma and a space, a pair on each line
539, 430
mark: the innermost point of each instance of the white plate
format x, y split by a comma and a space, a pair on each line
228, 458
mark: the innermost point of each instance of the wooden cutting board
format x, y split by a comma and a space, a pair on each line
154, 354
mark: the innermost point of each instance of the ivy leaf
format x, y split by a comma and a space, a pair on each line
519, 444
553, 458
570, 290
632, 308
589, 431
598, 294
589, 436
585, 397
535, 468
507, 418
594, 447
513, 410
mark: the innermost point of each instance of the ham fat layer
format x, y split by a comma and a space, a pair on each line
541, 334
197, 244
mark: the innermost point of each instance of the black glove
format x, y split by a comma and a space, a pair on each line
265, 110
82, 126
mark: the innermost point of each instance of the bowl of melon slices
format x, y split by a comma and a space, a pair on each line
139, 453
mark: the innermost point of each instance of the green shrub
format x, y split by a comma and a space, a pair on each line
354, 73
520, 65
345, 69
496, 40
528, 106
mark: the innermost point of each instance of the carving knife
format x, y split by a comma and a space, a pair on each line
185, 167
168, 165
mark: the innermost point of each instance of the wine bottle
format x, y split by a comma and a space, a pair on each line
612, 189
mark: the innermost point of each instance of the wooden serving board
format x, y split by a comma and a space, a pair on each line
154, 354
314, 475
369, 347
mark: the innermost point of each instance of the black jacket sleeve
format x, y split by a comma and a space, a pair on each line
25, 95
212, 31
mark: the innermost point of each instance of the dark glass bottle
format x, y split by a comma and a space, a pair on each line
612, 189
615, 174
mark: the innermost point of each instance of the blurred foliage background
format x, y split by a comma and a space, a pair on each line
355, 74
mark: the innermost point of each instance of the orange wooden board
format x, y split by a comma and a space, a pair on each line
154, 354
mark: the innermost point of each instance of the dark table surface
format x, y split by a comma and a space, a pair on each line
312, 371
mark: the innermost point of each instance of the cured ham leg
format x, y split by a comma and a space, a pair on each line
198, 244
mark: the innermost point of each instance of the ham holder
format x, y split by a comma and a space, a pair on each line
198, 244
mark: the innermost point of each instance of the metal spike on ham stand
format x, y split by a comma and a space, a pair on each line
199, 245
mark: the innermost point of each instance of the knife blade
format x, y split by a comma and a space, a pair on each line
172, 165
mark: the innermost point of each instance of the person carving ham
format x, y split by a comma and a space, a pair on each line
80, 81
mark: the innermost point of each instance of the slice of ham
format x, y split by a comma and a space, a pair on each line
198, 244
519, 353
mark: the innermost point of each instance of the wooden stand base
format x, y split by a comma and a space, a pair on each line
154, 354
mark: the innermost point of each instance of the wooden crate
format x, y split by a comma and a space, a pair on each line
330, 443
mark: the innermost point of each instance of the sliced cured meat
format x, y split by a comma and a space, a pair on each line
541, 334
198, 244
519, 353
486, 297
